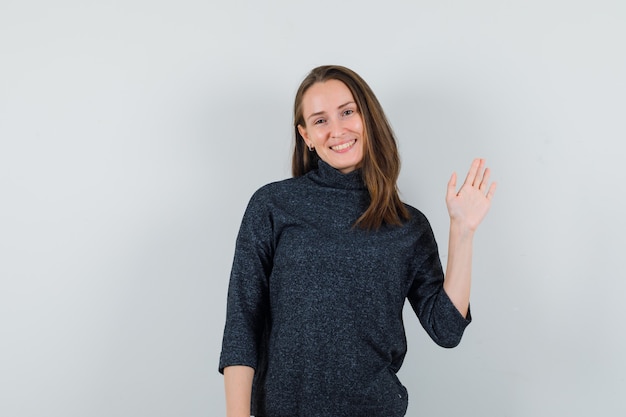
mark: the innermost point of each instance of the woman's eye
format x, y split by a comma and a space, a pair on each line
348, 112
319, 121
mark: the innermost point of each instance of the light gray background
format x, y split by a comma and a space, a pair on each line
134, 132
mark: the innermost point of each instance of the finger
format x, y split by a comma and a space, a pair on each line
492, 191
471, 175
480, 173
452, 185
485, 180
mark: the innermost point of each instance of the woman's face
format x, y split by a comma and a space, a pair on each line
333, 125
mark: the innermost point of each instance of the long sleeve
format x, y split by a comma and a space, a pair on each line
247, 304
439, 317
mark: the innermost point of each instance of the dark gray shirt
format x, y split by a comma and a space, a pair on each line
315, 304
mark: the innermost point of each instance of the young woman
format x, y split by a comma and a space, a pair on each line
325, 260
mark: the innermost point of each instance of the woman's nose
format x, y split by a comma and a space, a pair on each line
336, 128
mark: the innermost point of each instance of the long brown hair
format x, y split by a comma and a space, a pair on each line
380, 166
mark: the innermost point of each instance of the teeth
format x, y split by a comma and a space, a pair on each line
344, 146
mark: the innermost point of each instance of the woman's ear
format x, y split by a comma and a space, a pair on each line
304, 135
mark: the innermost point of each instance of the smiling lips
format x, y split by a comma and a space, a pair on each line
343, 146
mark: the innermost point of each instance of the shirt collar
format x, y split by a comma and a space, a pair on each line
328, 176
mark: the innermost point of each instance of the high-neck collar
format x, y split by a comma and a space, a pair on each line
328, 176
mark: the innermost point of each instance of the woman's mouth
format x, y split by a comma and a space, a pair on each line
343, 146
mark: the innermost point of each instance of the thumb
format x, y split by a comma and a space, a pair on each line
451, 186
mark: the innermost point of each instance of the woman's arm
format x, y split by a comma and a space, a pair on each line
238, 385
467, 208
247, 307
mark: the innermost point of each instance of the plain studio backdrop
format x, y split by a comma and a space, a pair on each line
134, 132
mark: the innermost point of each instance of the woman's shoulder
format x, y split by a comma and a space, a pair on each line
416, 217
414, 212
276, 189
286, 184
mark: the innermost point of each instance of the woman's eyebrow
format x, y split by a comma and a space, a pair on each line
319, 113
346, 104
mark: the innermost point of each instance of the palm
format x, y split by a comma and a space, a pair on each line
471, 203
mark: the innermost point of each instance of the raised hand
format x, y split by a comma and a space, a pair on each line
468, 207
